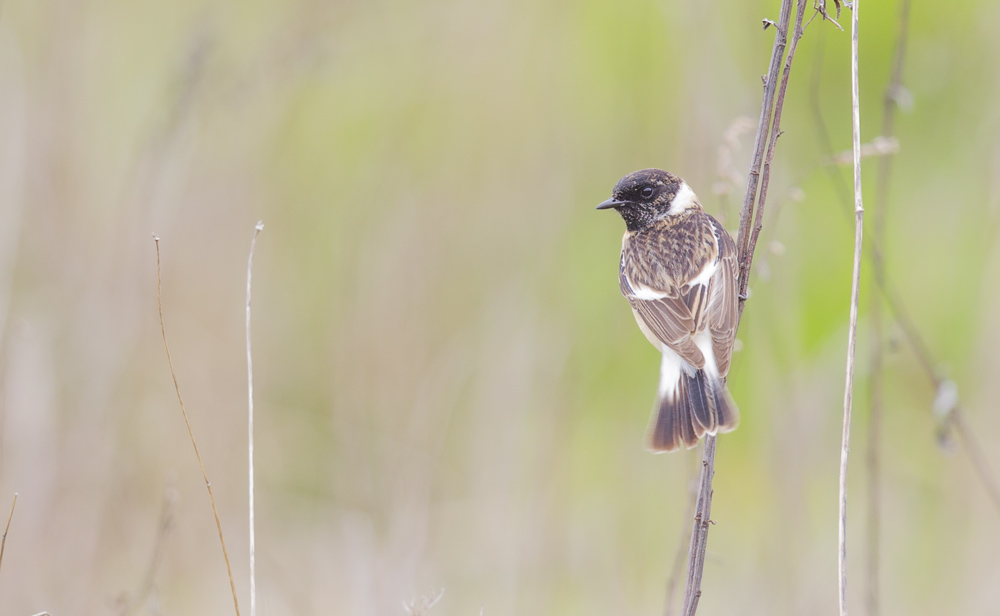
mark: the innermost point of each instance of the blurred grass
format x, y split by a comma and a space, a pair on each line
451, 392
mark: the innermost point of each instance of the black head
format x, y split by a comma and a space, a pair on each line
642, 197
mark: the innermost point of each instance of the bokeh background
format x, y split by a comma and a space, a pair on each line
451, 392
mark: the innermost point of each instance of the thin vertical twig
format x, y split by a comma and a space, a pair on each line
889, 104
177, 389
859, 214
253, 571
775, 133
773, 102
699, 533
953, 417
3, 542
760, 141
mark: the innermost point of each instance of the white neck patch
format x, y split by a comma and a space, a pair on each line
683, 200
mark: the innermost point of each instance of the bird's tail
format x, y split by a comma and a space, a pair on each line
698, 404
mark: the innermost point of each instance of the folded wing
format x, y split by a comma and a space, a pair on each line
722, 306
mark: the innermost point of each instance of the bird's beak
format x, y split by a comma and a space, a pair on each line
610, 203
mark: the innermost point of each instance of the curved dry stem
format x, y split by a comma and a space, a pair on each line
3, 542
194, 443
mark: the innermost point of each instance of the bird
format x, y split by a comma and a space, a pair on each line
678, 271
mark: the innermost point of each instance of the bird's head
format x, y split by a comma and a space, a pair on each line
643, 197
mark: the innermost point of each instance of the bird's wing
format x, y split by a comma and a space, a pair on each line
672, 313
722, 309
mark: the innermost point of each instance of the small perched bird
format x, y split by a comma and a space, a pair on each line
678, 271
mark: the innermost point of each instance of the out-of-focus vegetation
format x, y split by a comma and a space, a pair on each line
450, 390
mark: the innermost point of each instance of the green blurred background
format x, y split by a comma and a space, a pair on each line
451, 393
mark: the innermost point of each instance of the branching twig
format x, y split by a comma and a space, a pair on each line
953, 416
699, 533
820, 6
775, 133
859, 214
760, 141
3, 542
253, 572
773, 101
177, 389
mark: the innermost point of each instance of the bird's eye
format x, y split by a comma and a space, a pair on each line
647, 192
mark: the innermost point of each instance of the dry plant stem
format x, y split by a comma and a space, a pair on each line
699, 533
928, 362
875, 386
859, 215
177, 389
775, 133
3, 542
897, 309
703, 508
253, 572
956, 416
760, 140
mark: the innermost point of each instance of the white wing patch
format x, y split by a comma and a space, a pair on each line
703, 340
641, 291
646, 293
670, 371
706, 273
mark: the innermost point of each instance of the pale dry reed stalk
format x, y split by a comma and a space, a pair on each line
253, 571
859, 215
947, 406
